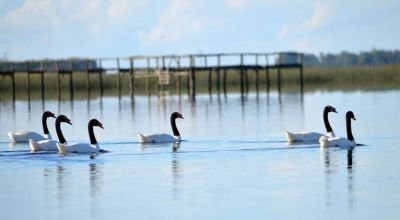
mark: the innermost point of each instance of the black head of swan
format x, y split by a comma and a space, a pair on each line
349, 117
92, 123
47, 114
59, 119
328, 109
173, 117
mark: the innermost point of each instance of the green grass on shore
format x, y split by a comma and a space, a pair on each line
343, 78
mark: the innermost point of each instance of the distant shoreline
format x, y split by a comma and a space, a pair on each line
315, 78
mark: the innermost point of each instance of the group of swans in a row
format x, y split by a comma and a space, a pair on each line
38, 142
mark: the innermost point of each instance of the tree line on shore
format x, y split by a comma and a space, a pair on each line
344, 59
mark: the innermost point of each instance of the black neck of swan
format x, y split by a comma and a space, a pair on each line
93, 140
348, 128
326, 121
173, 125
44, 124
60, 136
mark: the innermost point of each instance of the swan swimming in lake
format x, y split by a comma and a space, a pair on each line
24, 136
93, 147
163, 138
341, 142
51, 145
313, 136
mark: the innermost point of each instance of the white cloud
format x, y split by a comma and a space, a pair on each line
94, 15
120, 9
178, 21
321, 13
283, 32
30, 13
47, 14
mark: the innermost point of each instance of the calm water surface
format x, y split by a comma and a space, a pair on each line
233, 164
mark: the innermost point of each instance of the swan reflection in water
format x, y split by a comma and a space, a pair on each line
174, 146
330, 166
176, 171
350, 178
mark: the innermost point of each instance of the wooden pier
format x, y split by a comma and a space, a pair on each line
162, 67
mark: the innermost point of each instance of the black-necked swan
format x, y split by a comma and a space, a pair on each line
93, 147
24, 136
51, 145
164, 138
341, 142
313, 136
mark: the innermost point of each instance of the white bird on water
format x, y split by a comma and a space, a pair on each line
51, 145
83, 148
24, 136
341, 142
313, 136
163, 138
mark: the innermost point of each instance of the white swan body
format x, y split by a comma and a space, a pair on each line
306, 136
83, 148
158, 138
163, 138
313, 136
79, 148
43, 145
341, 142
24, 136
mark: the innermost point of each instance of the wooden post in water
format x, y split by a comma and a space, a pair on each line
279, 72
188, 77
246, 77
101, 79
157, 69
163, 69
218, 72
178, 84
209, 75
13, 80
224, 80
42, 78
148, 74
241, 75
301, 73
58, 80
132, 77
267, 72
29, 81
192, 81
257, 76
87, 76
71, 81
119, 78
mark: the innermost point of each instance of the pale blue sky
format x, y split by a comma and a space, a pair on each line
34, 29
